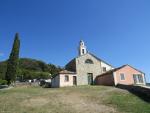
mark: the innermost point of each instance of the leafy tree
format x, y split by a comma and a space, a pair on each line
32, 64
44, 67
29, 64
12, 64
54, 69
3, 68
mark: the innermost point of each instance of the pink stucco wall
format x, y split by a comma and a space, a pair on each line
59, 80
128, 72
64, 83
113, 78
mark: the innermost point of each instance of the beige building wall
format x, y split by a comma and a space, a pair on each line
59, 80
64, 83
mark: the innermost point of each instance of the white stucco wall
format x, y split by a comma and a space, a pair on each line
108, 67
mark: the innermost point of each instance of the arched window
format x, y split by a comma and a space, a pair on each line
66, 78
89, 61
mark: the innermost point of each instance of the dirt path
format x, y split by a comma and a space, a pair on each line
73, 101
80, 104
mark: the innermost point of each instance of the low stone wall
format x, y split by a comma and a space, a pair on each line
3, 86
19, 84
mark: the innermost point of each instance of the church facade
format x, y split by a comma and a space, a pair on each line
87, 66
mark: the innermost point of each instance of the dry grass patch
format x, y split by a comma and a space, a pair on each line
81, 99
35, 102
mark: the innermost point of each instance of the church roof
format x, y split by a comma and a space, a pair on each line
66, 72
100, 59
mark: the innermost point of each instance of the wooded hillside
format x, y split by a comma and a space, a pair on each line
31, 68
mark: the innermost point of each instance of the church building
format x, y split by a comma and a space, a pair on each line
81, 70
87, 66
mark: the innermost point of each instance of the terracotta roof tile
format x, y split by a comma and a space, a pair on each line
66, 72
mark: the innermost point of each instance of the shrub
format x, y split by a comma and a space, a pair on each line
3, 82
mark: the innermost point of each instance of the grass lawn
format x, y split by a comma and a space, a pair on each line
81, 99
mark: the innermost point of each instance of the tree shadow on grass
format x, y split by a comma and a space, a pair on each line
142, 92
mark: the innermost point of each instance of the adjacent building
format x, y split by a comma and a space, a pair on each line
64, 78
125, 74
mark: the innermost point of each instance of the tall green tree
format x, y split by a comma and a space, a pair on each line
12, 64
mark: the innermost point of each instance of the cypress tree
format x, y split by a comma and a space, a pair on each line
12, 64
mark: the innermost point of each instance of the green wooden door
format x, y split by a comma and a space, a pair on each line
90, 78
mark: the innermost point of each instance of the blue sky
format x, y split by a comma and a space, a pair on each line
117, 31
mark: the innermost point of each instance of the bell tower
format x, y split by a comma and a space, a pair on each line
82, 48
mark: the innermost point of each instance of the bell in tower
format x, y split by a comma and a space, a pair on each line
82, 48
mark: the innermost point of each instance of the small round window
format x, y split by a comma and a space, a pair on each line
89, 61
